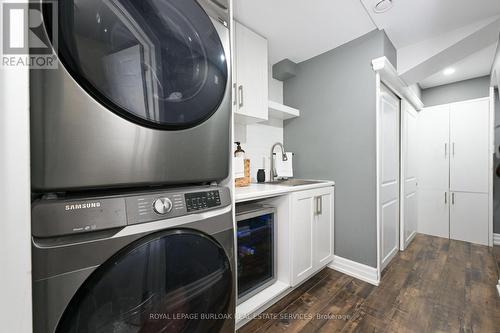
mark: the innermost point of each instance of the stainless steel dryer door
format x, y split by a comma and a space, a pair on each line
157, 62
175, 281
141, 96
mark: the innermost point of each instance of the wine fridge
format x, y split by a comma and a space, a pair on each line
256, 243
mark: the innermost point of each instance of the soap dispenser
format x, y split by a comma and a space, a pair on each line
241, 167
239, 152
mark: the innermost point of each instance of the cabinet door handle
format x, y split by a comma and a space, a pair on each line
453, 149
235, 98
445, 150
240, 95
445, 198
453, 198
319, 205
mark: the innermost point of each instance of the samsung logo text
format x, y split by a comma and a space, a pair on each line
83, 206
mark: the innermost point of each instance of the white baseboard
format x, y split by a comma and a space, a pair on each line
496, 239
355, 269
410, 239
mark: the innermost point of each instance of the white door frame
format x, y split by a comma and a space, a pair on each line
378, 86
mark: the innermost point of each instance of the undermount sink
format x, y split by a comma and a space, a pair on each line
295, 182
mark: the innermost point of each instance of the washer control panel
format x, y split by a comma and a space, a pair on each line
161, 205
57, 217
202, 200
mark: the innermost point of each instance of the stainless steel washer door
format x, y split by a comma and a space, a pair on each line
159, 63
173, 281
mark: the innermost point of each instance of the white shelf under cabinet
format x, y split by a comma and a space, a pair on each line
245, 119
280, 111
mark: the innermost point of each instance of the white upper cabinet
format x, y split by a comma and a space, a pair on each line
469, 139
251, 73
434, 148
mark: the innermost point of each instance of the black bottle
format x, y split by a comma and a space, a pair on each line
261, 176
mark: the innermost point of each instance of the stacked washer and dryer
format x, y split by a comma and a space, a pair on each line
129, 135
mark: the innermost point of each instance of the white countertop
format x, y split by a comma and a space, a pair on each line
265, 190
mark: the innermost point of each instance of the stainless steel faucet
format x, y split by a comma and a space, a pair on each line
273, 173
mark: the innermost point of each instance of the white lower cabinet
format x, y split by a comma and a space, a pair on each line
434, 212
312, 230
469, 217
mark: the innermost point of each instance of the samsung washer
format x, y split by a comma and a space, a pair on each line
142, 262
141, 95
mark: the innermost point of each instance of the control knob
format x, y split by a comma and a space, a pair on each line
162, 206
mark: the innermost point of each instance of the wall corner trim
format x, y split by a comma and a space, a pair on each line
355, 269
390, 77
496, 239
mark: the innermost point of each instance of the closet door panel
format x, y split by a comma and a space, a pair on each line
469, 138
389, 175
409, 173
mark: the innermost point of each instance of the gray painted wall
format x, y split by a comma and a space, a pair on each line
496, 180
389, 50
334, 137
456, 92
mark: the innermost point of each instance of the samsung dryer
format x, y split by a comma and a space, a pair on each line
141, 95
141, 262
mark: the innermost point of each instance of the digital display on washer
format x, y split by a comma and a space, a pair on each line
202, 200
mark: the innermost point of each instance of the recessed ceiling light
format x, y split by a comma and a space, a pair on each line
382, 6
449, 71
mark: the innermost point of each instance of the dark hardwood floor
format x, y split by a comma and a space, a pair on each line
496, 253
436, 285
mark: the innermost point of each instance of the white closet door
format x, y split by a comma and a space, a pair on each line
389, 175
409, 149
469, 137
469, 217
433, 171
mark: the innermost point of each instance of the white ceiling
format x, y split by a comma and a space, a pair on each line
476, 65
412, 21
300, 30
